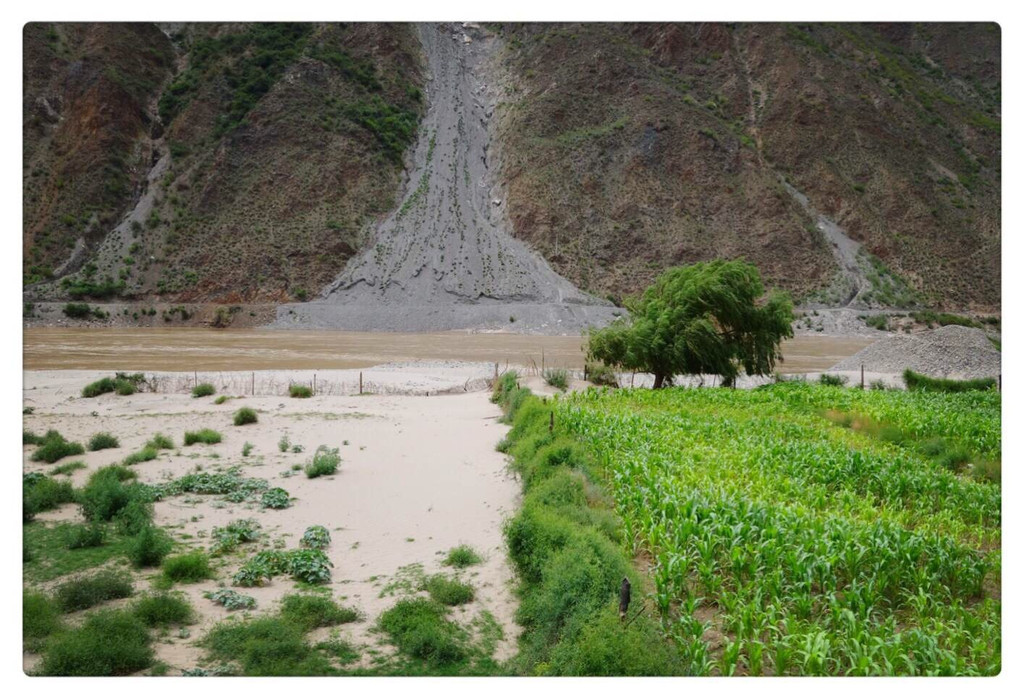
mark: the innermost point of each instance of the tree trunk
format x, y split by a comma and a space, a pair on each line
659, 380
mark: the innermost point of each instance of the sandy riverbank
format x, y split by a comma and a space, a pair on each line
419, 475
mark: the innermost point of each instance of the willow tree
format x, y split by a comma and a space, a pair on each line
707, 318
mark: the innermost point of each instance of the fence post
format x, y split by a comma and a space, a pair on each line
253, 385
314, 384
541, 360
862, 377
551, 424
360, 383
195, 377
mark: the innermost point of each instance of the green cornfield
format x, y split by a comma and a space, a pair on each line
800, 529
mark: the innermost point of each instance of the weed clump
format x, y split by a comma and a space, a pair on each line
276, 499
188, 568
448, 591
147, 453
54, 447
40, 619
149, 547
310, 612
84, 536
602, 375
299, 391
920, 382
245, 416
833, 380
419, 628
324, 463
103, 440
88, 591
265, 646
111, 642
316, 537
202, 390
462, 556
240, 531
41, 493
68, 468
160, 441
203, 436
230, 600
164, 609
557, 378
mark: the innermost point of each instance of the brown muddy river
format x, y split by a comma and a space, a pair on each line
203, 349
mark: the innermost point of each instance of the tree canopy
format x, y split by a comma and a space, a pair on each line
707, 318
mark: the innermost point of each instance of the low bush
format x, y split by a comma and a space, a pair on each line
557, 378
310, 566
96, 388
299, 391
40, 619
448, 591
103, 440
247, 448
264, 646
602, 375
504, 386
237, 532
160, 441
164, 609
833, 380
310, 612
230, 600
111, 642
188, 568
276, 499
30, 437
68, 468
149, 547
221, 400
145, 454
54, 448
41, 493
324, 462
419, 628
462, 556
203, 436
245, 416
84, 536
90, 590
316, 537
920, 382
202, 390
878, 322
106, 494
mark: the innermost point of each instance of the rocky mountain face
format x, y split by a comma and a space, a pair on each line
250, 162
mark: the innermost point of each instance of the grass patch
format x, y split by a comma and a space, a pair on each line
188, 568
84, 536
41, 493
324, 462
420, 629
40, 619
103, 440
462, 556
88, 591
557, 378
160, 441
67, 469
309, 612
113, 642
299, 391
221, 400
147, 453
148, 548
245, 416
833, 380
164, 609
265, 646
920, 382
448, 590
54, 447
203, 436
602, 375
51, 557
204, 389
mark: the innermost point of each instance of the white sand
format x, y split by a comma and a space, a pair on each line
418, 476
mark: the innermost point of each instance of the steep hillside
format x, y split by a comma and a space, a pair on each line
626, 148
279, 142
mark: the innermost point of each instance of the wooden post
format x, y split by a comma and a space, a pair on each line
195, 377
551, 424
253, 385
624, 596
314, 384
862, 377
541, 360
360, 383
631, 379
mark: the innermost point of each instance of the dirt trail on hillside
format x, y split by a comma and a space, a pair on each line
445, 259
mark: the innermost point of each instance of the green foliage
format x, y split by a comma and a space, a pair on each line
245, 416
240, 531
106, 494
188, 568
283, 444
68, 468
420, 629
264, 646
506, 384
878, 322
111, 642
602, 375
316, 537
324, 462
40, 619
931, 318
88, 591
299, 391
203, 436
310, 566
202, 390
83, 536
103, 440
121, 383
54, 448
276, 499
41, 493
306, 565
147, 453
149, 547
96, 388
231, 600
701, 319
309, 612
221, 400
833, 380
164, 609
462, 556
558, 378
160, 441
448, 591
920, 382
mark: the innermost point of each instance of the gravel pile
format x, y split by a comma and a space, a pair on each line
951, 351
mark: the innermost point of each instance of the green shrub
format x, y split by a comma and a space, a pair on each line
145, 454
103, 440
44, 493
230, 600
84, 536
203, 436
316, 537
557, 378
160, 441
447, 590
123, 388
106, 494
68, 468
96, 388
238, 532
878, 322
602, 375
30, 437
419, 628
310, 612
40, 619
264, 646
920, 382
606, 647
276, 499
77, 310
245, 416
310, 566
299, 391
164, 609
221, 400
283, 444
88, 591
111, 642
833, 380
135, 516
324, 463
148, 548
462, 556
188, 568
504, 386
54, 448
202, 390
247, 448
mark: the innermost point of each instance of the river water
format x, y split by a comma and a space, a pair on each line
204, 349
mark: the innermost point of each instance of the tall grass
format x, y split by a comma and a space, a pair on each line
921, 382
